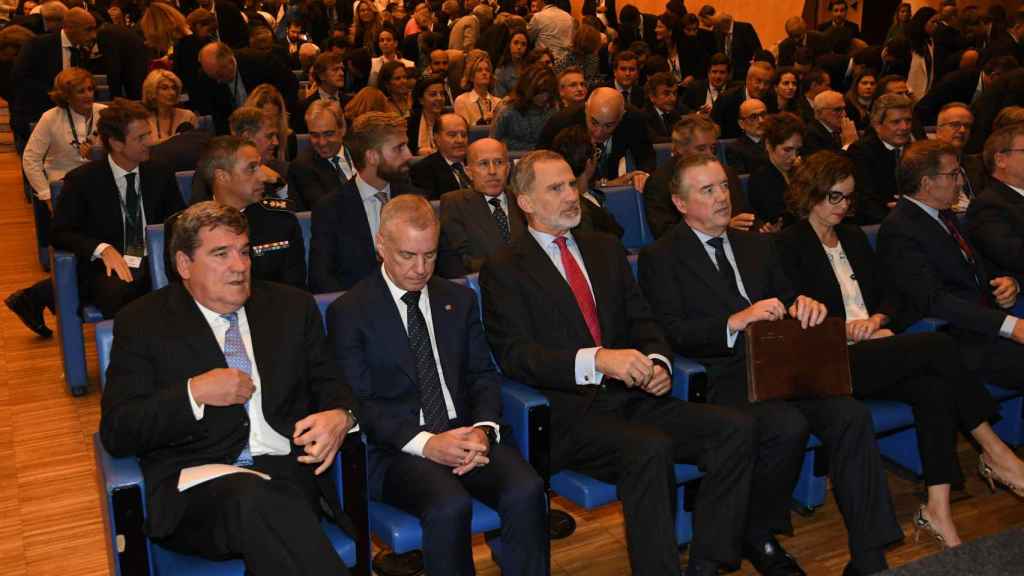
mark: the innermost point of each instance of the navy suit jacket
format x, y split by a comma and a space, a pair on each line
341, 251
371, 349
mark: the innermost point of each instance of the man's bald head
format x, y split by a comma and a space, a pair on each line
485, 146
752, 113
605, 109
218, 61
759, 79
826, 99
487, 165
796, 27
80, 27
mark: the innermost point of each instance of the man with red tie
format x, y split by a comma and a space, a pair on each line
563, 314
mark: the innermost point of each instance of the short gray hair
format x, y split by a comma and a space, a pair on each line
410, 209
887, 102
329, 106
192, 220
523, 175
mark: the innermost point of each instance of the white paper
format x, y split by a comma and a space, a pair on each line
196, 475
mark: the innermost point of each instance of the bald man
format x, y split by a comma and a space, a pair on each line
107, 49
478, 221
614, 130
227, 77
747, 153
831, 129
726, 112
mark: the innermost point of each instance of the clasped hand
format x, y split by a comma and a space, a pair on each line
461, 449
634, 369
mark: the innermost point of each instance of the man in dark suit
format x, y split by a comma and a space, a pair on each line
746, 153
444, 170
797, 36
476, 222
876, 156
413, 349
726, 112
635, 25
830, 129
112, 50
327, 164
105, 205
1009, 43
231, 26
626, 78
814, 82
564, 314
328, 72
706, 284
219, 371
228, 77
181, 151
341, 251
738, 41
939, 273
838, 9
662, 112
967, 86
953, 127
702, 93
614, 130
250, 123
693, 134
995, 219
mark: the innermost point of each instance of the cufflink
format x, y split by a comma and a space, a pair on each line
448, 307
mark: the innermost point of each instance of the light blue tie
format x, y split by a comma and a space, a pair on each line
234, 353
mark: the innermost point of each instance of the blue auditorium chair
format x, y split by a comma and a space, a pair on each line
185, 184
306, 223
720, 147
130, 552
626, 205
478, 132
206, 123
662, 152
157, 266
301, 143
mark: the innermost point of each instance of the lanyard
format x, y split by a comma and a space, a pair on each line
74, 132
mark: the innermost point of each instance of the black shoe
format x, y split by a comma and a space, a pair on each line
29, 312
701, 568
771, 559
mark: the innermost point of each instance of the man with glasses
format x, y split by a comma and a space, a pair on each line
477, 221
955, 122
726, 112
747, 153
572, 87
877, 156
938, 272
995, 219
830, 129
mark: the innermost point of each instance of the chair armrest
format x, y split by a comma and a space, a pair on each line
350, 476
1018, 308
689, 380
926, 325
528, 415
65, 282
124, 511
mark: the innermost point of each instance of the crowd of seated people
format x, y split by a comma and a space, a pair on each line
426, 141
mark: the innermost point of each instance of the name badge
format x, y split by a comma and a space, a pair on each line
132, 261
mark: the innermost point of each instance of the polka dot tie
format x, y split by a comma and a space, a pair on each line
237, 358
435, 414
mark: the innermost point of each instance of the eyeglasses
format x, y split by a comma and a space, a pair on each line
954, 174
957, 125
834, 197
755, 116
836, 109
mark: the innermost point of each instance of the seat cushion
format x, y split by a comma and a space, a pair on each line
402, 532
888, 416
583, 490
169, 563
1001, 394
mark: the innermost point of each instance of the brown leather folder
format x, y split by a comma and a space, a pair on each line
786, 362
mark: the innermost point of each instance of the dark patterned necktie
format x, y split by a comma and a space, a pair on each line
502, 219
237, 358
435, 414
133, 234
460, 175
949, 219
724, 268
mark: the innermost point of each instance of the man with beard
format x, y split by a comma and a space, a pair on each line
341, 251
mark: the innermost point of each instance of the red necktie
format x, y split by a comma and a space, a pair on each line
580, 289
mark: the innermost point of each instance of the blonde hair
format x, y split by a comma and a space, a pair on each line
266, 94
152, 83
162, 25
472, 62
67, 82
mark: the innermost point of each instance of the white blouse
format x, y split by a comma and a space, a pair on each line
473, 107
853, 299
51, 153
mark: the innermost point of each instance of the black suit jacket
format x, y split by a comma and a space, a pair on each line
818, 138
696, 93
434, 176
469, 233
851, 27
162, 339
766, 191
876, 178
744, 155
958, 86
924, 265
659, 126
661, 213
636, 99
745, 44
186, 60
341, 251
628, 35
371, 350
995, 224
311, 178
181, 152
630, 136
210, 97
1003, 45
692, 301
1007, 91
815, 42
535, 326
726, 112
88, 211
231, 25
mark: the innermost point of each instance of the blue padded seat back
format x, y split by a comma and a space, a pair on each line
626, 206
185, 184
155, 246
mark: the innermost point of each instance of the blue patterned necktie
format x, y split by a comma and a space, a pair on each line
234, 353
435, 413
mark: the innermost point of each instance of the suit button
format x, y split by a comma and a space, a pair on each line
245, 424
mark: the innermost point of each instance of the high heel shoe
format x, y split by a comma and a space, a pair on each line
993, 478
922, 524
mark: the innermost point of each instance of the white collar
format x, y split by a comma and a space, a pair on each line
931, 211
705, 237
1014, 188
119, 172
450, 161
212, 316
888, 146
65, 42
397, 292
545, 240
366, 191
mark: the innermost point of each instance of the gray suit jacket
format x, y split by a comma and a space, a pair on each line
469, 233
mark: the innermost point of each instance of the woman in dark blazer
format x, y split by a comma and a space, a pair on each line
831, 261
783, 138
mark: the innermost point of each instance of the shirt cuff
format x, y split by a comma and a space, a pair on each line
730, 337
99, 250
586, 367
1009, 324
418, 442
197, 410
492, 425
661, 358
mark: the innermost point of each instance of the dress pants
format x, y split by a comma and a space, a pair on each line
631, 439
273, 525
444, 504
926, 371
1005, 364
110, 293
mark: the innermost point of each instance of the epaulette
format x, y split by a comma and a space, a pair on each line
275, 204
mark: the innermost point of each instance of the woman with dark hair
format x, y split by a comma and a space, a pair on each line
785, 87
860, 97
539, 54
922, 50
522, 117
586, 42
667, 33
831, 261
428, 105
899, 21
506, 75
387, 45
574, 145
783, 138
393, 82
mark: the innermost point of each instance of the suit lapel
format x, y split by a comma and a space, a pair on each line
388, 326
354, 202
597, 269
516, 220
537, 265
441, 311
693, 255
114, 200
195, 331
745, 265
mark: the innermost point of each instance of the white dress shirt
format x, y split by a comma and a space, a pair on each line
49, 154
586, 358
65, 51
348, 169
552, 28
415, 446
263, 439
371, 204
730, 336
853, 298
378, 62
122, 187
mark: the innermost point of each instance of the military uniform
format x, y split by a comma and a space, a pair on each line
275, 239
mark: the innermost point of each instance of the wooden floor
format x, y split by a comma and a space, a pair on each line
50, 511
